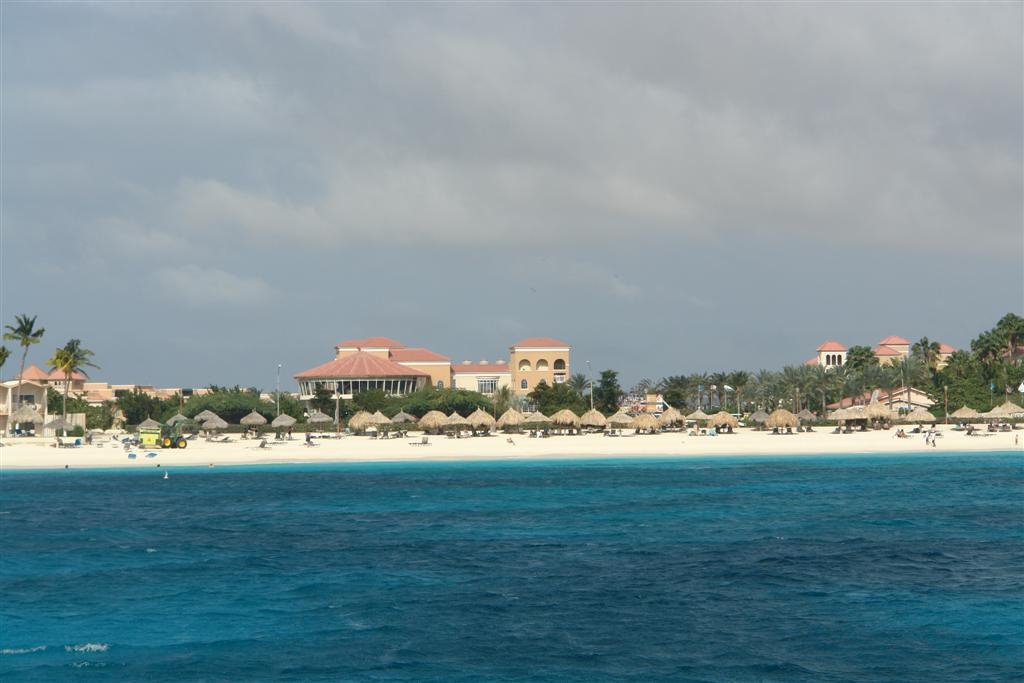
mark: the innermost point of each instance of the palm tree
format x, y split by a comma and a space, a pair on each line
719, 380
927, 351
25, 333
69, 359
739, 380
5, 353
578, 382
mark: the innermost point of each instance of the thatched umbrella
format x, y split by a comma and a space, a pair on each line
697, 415
781, 418
178, 417
317, 417
621, 420
965, 413
455, 420
380, 419
919, 415
536, 418
433, 420
806, 416
759, 417
838, 414
214, 423
878, 411
645, 422
723, 419
510, 418
566, 418
205, 415
283, 420
593, 418
253, 419
26, 413
481, 419
670, 417
360, 421
1007, 410
149, 423
402, 418
58, 423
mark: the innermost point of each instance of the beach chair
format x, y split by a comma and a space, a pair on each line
422, 442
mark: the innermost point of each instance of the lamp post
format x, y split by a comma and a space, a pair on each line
590, 378
277, 394
945, 396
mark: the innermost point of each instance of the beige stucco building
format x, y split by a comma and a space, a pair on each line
538, 359
483, 376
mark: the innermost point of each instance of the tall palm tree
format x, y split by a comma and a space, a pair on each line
25, 333
69, 359
719, 380
927, 351
578, 382
739, 380
5, 353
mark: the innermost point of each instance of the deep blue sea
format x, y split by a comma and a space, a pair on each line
863, 568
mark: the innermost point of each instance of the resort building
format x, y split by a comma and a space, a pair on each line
536, 360
483, 376
904, 399
892, 349
32, 393
391, 366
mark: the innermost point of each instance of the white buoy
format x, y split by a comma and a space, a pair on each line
166, 475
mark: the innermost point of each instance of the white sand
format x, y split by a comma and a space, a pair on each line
21, 455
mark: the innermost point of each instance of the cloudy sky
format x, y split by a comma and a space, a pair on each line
200, 191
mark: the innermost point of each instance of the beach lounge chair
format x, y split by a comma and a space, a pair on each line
422, 442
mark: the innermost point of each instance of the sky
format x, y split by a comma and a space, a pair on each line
203, 191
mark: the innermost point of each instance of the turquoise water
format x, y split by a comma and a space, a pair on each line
804, 569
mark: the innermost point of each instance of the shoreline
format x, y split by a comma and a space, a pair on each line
360, 449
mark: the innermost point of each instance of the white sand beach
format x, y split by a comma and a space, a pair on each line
42, 455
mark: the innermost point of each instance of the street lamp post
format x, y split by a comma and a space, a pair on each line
590, 378
277, 394
945, 396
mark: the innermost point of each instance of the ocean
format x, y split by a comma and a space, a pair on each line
858, 568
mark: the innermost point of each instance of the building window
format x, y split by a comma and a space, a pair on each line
440, 384
523, 384
560, 379
542, 364
559, 364
487, 385
524, 365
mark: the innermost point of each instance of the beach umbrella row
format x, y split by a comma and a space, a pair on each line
781, 418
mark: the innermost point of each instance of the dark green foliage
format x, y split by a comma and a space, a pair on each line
860, 357
607, 392
554, 398
370, 401
230, 404
138, 405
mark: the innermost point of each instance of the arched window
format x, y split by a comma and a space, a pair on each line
559, 364
524, 365
542, 364
440, 384
523, 384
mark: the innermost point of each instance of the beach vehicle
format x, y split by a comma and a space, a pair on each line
173, 438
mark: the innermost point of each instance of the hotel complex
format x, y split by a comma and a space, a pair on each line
892, 349
396, 369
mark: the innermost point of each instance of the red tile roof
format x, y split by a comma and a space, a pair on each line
831, 345
480, 368
539, 343
417, 355
33, 372
57, 375
886, 351
946, 348
371, 343
360, 365
894, 340
812, 361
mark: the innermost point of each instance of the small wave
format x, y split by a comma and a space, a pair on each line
22, 650
87, 647
82, 665
150, 550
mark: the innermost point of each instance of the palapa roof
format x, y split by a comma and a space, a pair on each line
456, 420
58, 423
359, 365
205, 415
965, 412
878, 411
481, 418
782, 418
540, 343
919, 415
621, 419
645, 421
317, 417
403, 417
670, 416
593, 418
175, 419
253, 419
536, 417
283, 420
360, 421
510, 418
697, 415
215, 423
723, 419
434, 419
831, 345
379, 418
26, 412
759, 416
806, 415
1007, 409
149, 423
566, 418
